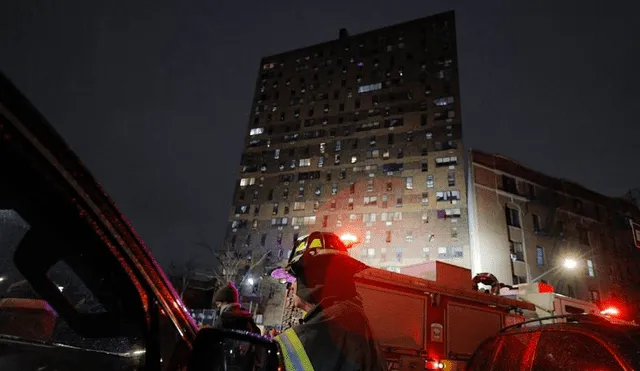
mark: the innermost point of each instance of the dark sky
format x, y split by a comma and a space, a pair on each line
155, 96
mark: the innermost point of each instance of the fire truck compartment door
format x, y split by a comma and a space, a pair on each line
397, 318
469, 326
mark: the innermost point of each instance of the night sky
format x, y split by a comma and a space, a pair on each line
155, 96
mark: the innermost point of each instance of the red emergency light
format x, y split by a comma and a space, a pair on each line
349, 239
610, 311
544, 287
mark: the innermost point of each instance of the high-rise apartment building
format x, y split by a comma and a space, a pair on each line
361, 134
525, 224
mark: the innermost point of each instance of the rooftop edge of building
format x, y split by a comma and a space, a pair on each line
343, 34
567, 186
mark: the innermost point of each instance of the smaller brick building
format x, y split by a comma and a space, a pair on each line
523, 224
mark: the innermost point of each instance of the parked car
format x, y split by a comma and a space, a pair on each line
581, 342
78, 288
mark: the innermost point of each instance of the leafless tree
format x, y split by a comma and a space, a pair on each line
184, 273
236, 264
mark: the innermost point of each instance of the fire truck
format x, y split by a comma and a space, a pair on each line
435, 321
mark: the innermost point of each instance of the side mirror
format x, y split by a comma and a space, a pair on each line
224, 350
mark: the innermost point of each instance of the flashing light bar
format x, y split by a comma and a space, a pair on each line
348, 239
610, 311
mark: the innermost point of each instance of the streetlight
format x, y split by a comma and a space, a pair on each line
568, 263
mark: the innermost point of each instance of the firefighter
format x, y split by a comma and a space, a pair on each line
335, 333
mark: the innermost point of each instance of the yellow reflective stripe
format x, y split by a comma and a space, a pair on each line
288, 365
295, 357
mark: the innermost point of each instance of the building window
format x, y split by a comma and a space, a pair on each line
385, 199
398, 254
298, 206
517, 251
583, 236
513, 217
350, 204
399, 201
325, 221
425, 253
247, 182
304, 162
409, 236
539, 255
509, 184
430, 181
595, 296
370, 200
334, 189
354, 159
425, 198
536, 223
449, 213
451, 178
519, 279
590, 269
256, 131
369, 218
446, 161
455, 252
454, 232
369, 88
447, 196
425, 218
409, 182
279, 222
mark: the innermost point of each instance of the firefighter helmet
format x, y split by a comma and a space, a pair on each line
308, 247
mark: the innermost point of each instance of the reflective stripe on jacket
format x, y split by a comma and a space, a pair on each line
293, 353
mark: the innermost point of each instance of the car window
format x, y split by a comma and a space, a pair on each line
512, 350
483, 356
65, 301
571, 351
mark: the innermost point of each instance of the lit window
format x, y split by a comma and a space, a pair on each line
590, 269
367, 236
539, 255
298, 205
409, 182
371, 252
430, 182
276, 154
446, 161
441, 102
370, 87
256, 131
354, 159
447, 196
304, 162
247, 181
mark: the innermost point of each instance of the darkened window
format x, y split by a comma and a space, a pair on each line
509, 184
513, 217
